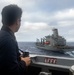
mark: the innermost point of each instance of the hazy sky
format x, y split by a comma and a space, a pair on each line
40, 16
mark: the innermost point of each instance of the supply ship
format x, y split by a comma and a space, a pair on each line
54, 42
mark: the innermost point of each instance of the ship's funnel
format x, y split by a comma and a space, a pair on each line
55, 33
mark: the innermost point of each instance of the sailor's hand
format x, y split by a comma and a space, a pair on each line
27, 60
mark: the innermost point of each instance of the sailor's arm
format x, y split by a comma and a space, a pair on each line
18, 67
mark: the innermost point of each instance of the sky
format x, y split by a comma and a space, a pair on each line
41, 16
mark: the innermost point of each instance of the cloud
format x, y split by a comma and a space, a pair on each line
43, 23
30, 31
65, 14
36, 26
40, 16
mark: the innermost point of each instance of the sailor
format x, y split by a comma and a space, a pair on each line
10, 61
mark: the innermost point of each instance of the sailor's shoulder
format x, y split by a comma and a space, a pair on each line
3, 33
4, 36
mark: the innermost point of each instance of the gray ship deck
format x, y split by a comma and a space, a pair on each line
50, 65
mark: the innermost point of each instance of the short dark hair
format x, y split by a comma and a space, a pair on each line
10, 14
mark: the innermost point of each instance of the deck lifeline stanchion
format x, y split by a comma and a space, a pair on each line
72, 70
44, 73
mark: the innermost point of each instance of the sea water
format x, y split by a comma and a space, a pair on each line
32, 49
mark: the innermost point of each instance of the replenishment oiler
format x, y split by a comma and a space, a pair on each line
54, 42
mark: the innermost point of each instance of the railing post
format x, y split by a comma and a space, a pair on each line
45, 73
72, 70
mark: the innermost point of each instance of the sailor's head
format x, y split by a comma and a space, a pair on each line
11, 16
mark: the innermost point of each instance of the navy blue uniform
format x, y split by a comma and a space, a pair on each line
10, 62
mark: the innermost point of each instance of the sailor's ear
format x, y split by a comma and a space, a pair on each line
17, 22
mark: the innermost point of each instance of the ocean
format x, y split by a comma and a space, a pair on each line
31, 48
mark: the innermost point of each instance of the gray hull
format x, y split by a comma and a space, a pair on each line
51, 48
47, 48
